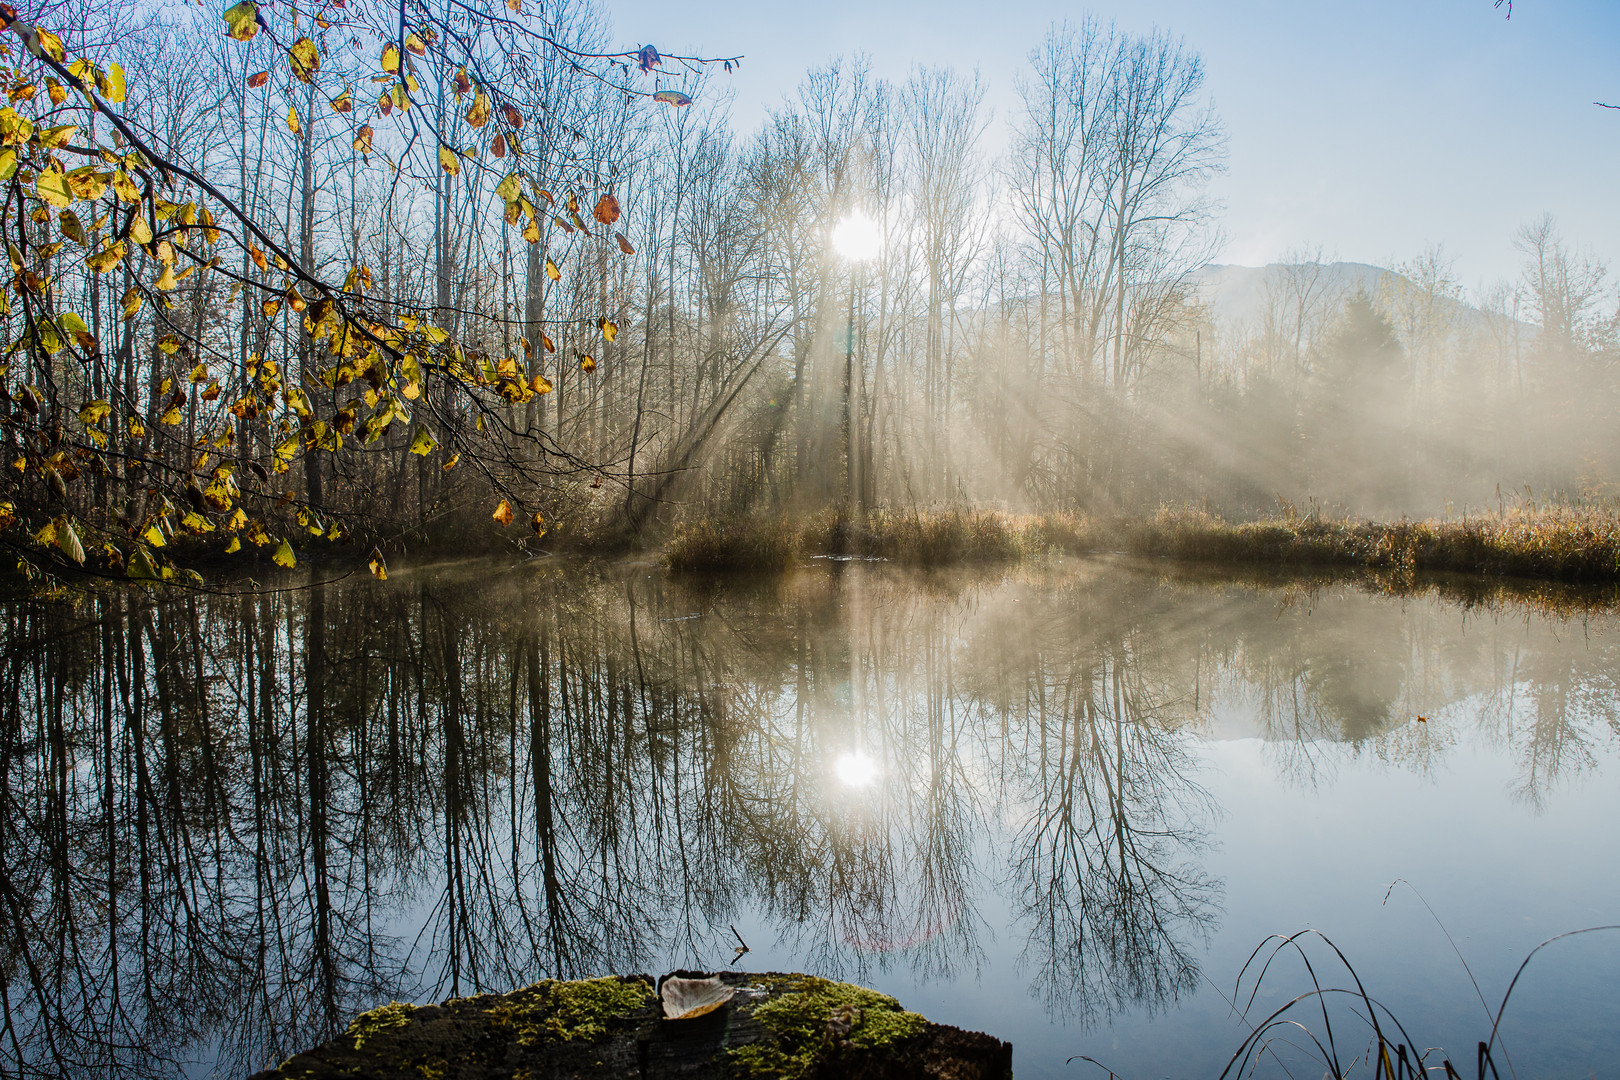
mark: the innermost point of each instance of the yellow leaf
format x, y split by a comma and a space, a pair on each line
171, 416
362, 139
114, 89
14, 128
124, 187
304, 59
587, 364
509, 188
105, 259
448, 161
610, 329
540, 384
423, 444
243, 20
234, 546
390, 59
531, 233
137, 426
68, 541
378, 568
154, 535
94, 412
552, 272
8, 514
538, 524
50, 45
292, 120
503, 513
167, 281
8, 164
450, 462
46, 535
284, 556
140, 231
53, 188
477, 112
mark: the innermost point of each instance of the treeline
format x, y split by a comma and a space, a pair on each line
566, 298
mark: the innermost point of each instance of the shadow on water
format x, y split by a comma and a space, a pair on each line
229, 823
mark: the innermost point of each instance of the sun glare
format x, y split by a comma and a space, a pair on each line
857, 238
855, 769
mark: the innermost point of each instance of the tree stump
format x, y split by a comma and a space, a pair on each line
741, 1027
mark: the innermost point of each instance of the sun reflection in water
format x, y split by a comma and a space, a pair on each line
856, 769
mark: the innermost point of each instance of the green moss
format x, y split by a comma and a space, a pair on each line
396, 1014
581, 1010
818, 1015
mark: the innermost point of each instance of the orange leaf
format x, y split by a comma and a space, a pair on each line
624, 245
512, 116
257, 80
503, 513
607, 210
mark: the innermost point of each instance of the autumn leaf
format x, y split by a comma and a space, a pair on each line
423, 444
284, 556
292, 120
624, 245
257, 256
68, 541
609, 328
462, 84
607, 210
449, 161
343, 103
94, 412
648, 58
304, 59
415, 44
547, 342
511, 115
509, 188
132, 303
53, 188
105, 259
498, 147
243, 20
503, 513
672, 97
478, 111
540, 384
362, 139
234, 546
451, 461
586, 364
552, 272
390, 59
270, 308
538, 524
258, 79
378, 568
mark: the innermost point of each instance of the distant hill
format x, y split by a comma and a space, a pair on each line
1237, 294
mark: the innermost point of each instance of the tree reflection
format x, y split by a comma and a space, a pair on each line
228, 823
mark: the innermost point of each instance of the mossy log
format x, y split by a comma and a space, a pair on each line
772, 1025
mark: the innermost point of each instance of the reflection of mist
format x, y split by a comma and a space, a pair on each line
231, 823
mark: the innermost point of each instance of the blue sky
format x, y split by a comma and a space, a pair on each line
1370, 127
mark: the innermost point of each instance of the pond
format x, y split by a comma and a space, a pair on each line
1062, 804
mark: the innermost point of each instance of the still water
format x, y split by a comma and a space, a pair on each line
1060, 804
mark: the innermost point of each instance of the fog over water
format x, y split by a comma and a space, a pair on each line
1062, 804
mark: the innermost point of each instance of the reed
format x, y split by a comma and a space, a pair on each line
1579, 545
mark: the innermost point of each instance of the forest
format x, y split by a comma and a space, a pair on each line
446, 275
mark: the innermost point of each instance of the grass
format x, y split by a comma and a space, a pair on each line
1566, 545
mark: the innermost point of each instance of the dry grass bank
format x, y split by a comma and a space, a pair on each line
1571, 545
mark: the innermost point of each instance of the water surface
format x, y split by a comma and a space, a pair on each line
1060, 804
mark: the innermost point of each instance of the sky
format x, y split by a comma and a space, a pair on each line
1371, 128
